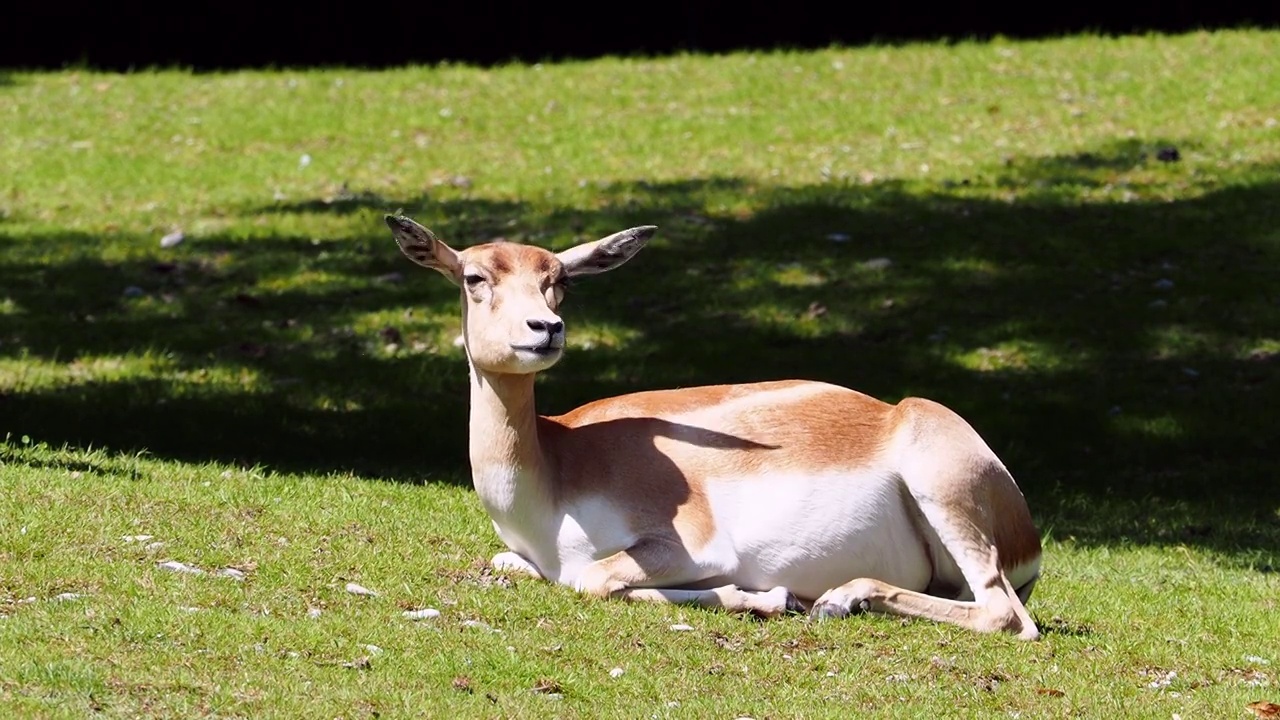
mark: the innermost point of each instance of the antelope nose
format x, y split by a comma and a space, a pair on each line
550, 327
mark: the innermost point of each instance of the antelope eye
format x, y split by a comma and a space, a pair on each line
472, 279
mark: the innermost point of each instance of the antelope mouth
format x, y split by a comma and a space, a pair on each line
541, 350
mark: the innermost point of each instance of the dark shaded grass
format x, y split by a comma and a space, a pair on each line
1123, 435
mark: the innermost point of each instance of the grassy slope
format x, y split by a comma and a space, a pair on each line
1013, 187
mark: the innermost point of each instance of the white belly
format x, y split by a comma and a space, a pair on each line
812, 533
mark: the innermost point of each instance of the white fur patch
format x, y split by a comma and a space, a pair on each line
811, 533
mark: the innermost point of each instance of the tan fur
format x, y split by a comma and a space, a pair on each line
983, 490
651, 465
623, 458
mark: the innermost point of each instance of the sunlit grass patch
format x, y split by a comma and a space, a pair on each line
1019, 356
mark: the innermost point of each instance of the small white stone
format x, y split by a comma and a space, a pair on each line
67, 596
173, 239
1256, 660
373, 649
179, 567
479, 626
681, 627
188, 609
313, 613
616, 672
232, 573
355, 589
152, 547
880, 263
136, 538
304, 161
423, 614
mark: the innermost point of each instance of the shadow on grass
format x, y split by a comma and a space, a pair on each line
1119, 356
1059, 626
1094, 168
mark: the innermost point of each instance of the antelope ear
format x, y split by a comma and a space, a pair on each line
422, 246
605, 254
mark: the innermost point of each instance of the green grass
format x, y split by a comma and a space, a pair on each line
269, 399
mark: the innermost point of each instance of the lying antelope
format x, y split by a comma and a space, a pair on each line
768, 498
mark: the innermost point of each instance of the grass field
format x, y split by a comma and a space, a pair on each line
1001, 227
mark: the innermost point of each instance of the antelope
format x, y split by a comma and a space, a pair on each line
770, 498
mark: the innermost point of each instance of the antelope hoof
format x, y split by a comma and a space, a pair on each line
829, 611
778, 601
843, 602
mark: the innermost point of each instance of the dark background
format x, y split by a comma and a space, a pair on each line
238, 34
